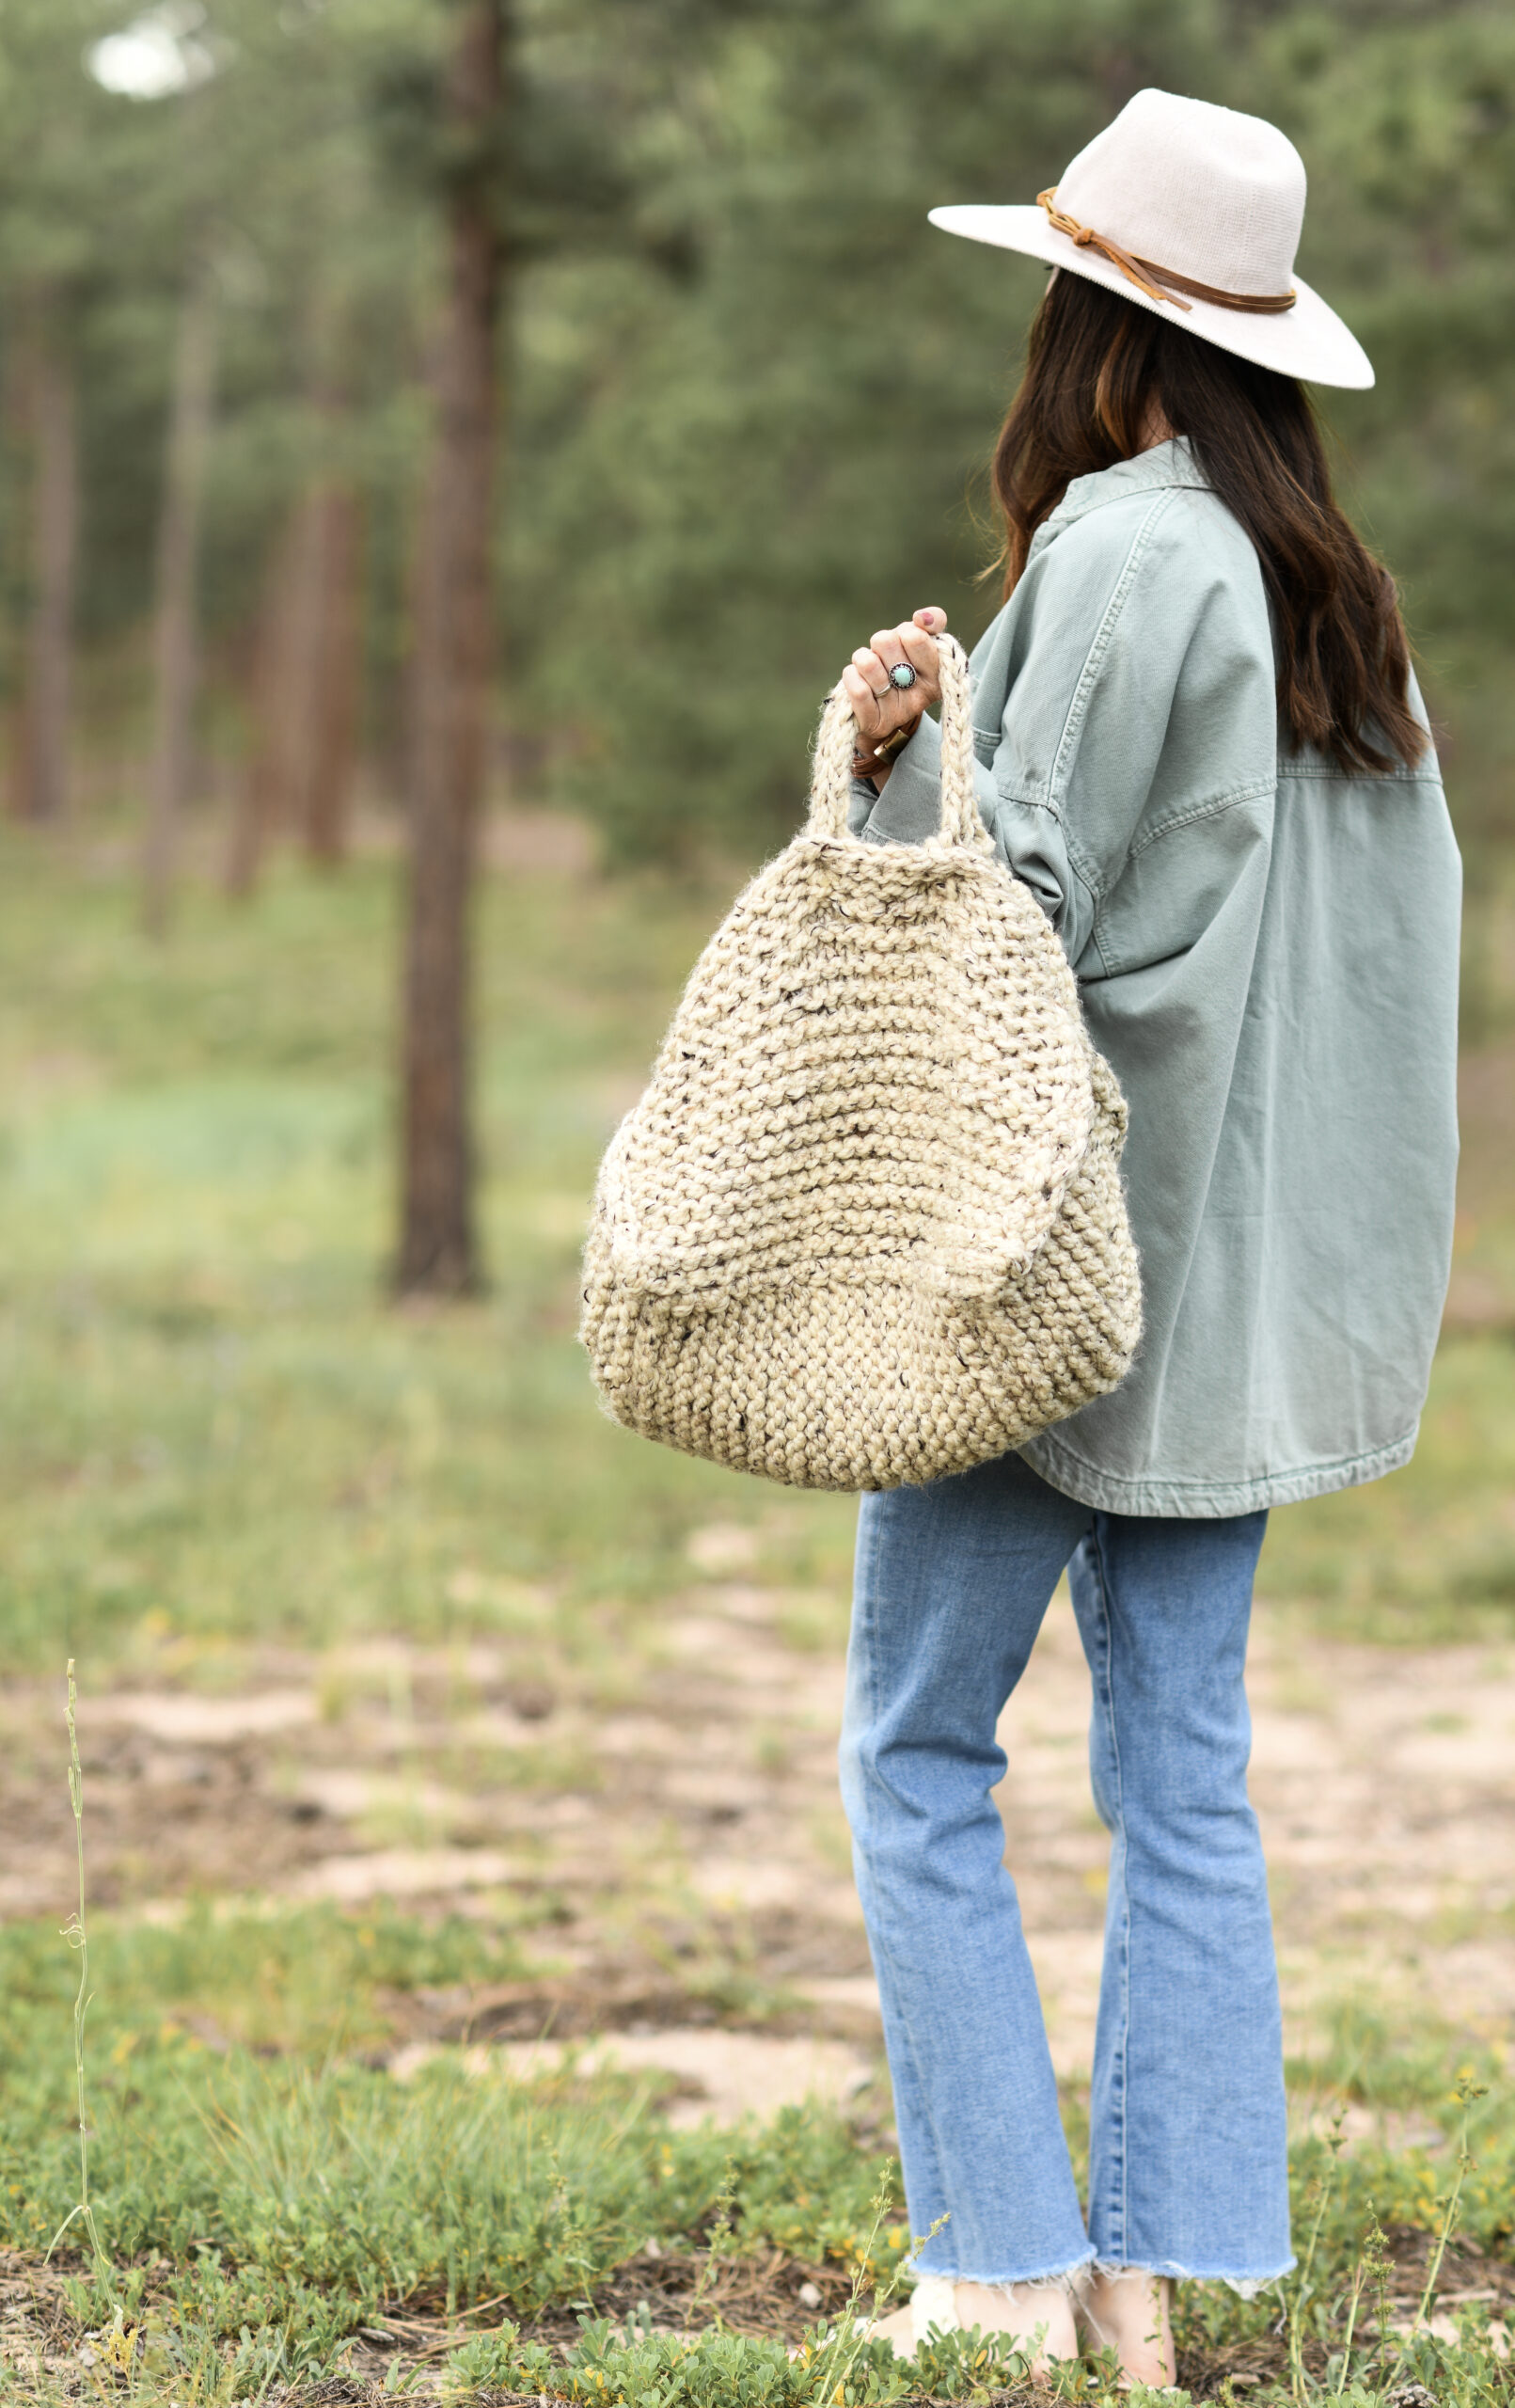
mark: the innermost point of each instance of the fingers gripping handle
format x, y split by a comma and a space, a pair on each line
831, 781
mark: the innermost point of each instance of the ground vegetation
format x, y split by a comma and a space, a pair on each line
460, 1615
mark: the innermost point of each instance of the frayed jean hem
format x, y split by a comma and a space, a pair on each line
1063, 2278
1169, 2270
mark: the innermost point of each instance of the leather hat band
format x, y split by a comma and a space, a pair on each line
1152, 279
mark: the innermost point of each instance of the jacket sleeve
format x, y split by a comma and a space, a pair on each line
1095, 658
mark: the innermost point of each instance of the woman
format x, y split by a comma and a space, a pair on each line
1199, 740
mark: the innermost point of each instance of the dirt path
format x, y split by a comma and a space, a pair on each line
691, 1820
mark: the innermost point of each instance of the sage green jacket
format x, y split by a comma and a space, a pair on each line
1267, 951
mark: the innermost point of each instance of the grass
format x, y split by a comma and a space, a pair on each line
275, 2178
274, 2203
218, 1436
76, 1934
1428, 1554
209, 1410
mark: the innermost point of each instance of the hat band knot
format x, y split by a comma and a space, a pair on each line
1150, 279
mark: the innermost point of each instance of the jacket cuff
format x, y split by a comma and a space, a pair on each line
861, 806
909, 809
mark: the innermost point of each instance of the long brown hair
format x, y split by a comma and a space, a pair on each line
1095, 365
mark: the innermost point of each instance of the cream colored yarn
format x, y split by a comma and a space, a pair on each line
865, 1227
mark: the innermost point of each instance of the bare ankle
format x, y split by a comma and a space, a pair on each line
1128, 2311
1036, 2316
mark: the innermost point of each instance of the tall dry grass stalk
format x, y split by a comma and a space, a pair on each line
1468, 2094
77, 1937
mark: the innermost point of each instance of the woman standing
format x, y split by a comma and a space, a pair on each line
1199, 740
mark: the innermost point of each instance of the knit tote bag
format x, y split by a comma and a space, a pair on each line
865, 1227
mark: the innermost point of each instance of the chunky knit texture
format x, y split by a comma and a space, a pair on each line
865, 1226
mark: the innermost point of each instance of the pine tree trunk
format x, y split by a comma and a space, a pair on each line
175, 637
41, 755
261, 789
305, 678
438, 1252
331, 728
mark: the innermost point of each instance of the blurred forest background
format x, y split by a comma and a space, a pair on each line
747, 392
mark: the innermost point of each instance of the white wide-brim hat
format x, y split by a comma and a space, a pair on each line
1194, 212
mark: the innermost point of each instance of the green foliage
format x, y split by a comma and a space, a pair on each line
258, 2208
304, 1979
752, 392
303, 2192
212, 1421
834, 2365
787, 451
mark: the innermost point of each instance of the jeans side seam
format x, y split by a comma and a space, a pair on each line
869, 1590
1120, 2099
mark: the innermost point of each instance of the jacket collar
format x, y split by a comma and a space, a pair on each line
1166, 464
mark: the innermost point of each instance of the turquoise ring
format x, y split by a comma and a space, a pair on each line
902, 676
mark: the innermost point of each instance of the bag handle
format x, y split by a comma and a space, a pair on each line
830, 788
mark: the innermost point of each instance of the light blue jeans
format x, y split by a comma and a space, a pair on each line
1188, 2170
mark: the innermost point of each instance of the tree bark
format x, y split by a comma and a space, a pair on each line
325, 801
175, 637
439, 1247
304, 689
261, 789
41, 755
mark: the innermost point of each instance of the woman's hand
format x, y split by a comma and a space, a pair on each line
880, 706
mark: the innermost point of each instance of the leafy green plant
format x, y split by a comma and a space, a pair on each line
834, 2366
